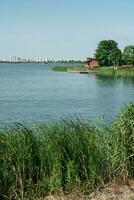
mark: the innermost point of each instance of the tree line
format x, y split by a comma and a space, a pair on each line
109, 54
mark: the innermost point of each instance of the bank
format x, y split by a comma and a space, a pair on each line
106, 71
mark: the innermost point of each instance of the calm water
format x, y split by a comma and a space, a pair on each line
34, 93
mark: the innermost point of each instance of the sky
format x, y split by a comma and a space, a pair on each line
63, 29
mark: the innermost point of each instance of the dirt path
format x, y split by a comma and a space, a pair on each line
125, 192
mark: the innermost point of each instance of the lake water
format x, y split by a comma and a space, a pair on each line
35, 93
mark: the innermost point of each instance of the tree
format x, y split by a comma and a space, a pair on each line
108, 53
128, 55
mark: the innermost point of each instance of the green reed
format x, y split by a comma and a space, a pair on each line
118, 71
60, 68
69, 68
72, 153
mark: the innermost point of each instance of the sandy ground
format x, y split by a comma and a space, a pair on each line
122, 192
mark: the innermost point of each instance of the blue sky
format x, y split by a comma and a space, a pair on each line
63, 29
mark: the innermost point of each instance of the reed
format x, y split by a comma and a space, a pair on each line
69, 68
60, 69
72, 153
120, 71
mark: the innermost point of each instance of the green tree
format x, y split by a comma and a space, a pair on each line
128, 55
108, 53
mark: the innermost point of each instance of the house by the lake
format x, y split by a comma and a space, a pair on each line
91, 63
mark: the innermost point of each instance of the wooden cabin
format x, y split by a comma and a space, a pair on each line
91, 63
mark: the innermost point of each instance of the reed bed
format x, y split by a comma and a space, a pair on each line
72, 153
112, 71
69, 68
60, 69
106, 71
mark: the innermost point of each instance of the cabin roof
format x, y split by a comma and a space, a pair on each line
90, 59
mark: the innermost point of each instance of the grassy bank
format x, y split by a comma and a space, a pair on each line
69, 69
119, 71
106, 71
60, 69
65, 155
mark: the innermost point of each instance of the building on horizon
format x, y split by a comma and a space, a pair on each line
18, 59
91, 63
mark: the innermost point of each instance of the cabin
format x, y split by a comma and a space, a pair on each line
91, 63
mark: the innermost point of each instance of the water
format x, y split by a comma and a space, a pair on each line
35, 93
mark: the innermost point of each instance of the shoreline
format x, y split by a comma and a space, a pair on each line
106, 71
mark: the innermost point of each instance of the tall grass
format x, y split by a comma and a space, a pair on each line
120, 71
106, 71
60, 69
72, 153
69, 68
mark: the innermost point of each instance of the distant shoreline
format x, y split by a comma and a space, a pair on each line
105, 71
8, 62
23, 62
49, 62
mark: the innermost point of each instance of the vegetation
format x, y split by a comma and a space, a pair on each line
60, 68
76, 69
68, 61
108, 53
107, 71
118, 71
69, 68
128, 55
72, 153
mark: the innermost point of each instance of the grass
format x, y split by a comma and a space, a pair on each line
60, 69
106, 71
111, 71
77, 69
68, 69
69, 154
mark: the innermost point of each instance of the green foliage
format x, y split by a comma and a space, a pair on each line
68, 154
128, 55
108, 53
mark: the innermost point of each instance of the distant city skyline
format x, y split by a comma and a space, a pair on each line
63, 29
20, 59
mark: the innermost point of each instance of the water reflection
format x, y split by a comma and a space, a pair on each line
113, 80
